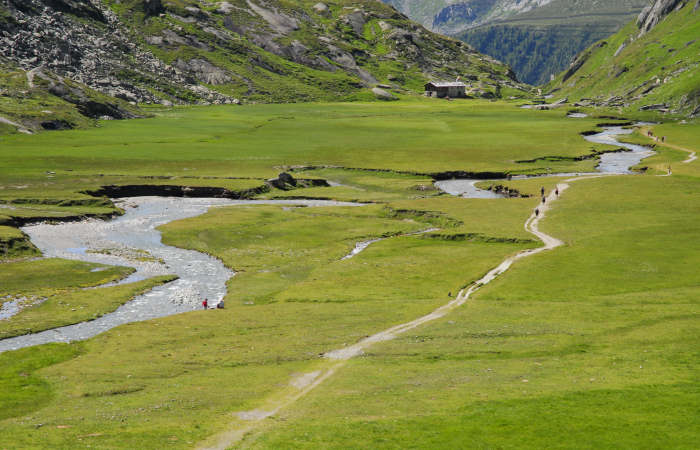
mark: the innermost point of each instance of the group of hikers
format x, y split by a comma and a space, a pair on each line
544, 199
219, 305
651, 135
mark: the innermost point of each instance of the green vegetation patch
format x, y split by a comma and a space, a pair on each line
21, 389
14, 243
67, 308
53, 274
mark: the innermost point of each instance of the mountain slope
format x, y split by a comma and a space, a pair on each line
189, 51
650, 64
538, 38
540, 43
39, 100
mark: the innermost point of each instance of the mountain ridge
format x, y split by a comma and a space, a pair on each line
537, 38
651, 64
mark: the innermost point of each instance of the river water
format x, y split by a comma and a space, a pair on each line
133, 240
610, 163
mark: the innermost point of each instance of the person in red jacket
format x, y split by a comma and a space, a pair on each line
205, 303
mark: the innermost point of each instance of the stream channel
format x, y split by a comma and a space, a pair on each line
133, 240
614, 163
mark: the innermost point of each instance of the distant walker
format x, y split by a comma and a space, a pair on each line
454, 89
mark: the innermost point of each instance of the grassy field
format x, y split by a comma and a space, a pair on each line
593, 345
575, 323
238, 148
416, 135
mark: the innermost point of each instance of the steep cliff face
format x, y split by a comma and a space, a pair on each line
651, 64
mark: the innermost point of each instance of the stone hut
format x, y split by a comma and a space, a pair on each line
454, 89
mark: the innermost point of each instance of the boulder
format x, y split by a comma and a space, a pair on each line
283, 181
322, 9
152, 7
381, 94
205, 71
356, 20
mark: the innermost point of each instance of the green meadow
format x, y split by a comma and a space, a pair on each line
593, 344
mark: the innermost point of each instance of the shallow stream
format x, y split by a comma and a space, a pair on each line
133, 240
610, 163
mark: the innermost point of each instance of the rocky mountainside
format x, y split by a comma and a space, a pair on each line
538, 38
651, 64
192, 51
35, 100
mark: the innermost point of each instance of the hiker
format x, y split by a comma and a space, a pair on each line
543, 199
542, 191
449, 294
220, 305
663, 138
556, 192
205, 303
537, 212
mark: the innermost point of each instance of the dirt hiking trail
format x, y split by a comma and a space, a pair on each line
692, 155
302, 384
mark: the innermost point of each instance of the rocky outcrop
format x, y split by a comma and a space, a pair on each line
203, 70
286, 182
86, 42
653, 14
88, 106
283, 181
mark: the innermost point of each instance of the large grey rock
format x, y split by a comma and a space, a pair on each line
356, 20
283, 181
322, 9
203, 70
381, 94
279, 22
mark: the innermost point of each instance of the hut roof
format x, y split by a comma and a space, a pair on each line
447, 84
